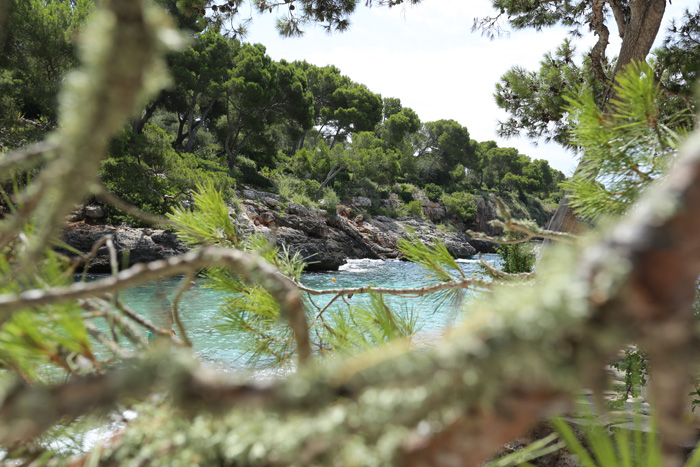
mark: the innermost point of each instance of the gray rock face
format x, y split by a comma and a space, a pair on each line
324, 244
361, 201
132, 245
486, 211
94, 212
483, 246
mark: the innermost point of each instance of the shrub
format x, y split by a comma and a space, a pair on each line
145, 171
247, 173
296, 191
462, 205
415, 208
384, 192
330, 201
406, 192
517, 258
432, 191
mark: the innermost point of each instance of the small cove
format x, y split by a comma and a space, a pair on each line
200, 316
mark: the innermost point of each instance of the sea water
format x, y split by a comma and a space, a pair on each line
199, 306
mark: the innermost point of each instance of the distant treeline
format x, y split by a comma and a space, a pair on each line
234, 116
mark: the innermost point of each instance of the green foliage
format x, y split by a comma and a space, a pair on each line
245, 172
398, 123
331, 200
362, 328
679, 58
517, 257
251, 313
209, 222
432, 191
635, 366
38, 51
442, 145
622, 449
415, 208
535, 100
249, 310
259, 94
147, 172
297, 191
46, 343
520, 458
462, 205
406, 192
625, 149
434, 258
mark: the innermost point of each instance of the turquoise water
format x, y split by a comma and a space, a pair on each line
198, 306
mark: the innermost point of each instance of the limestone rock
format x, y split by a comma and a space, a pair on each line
361, 202
133, 245
483, 246
94, 212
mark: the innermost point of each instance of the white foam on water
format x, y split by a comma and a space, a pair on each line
357, 266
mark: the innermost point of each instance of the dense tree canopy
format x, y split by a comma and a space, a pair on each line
38, 43
232, 107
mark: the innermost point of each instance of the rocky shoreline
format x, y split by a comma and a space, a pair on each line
325, 244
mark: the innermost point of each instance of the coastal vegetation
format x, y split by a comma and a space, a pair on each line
234, 117
359, 390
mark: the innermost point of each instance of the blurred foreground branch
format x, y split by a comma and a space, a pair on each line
519, 354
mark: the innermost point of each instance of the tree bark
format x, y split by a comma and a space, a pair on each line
335, 170
138, 124
638, 37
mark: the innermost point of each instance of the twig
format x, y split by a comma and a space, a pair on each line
92, 254
494, 272
529, 234
115, 348
320, 313
134, 316
109, 243
249, 266
414, 291
184, 286
128, 329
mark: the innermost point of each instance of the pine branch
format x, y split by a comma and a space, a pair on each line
497, 273
405, 292
246, 265
26, 158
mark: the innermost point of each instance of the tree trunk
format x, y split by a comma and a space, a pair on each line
180, 132
138, 124
640, 31
335, 170
639, 34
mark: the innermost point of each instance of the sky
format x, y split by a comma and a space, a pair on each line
427, 56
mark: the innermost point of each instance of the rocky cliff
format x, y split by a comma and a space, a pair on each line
324, 242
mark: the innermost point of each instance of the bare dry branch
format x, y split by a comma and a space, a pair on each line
184, 286
115, 348
411, 291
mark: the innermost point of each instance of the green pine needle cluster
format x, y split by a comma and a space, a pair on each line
251, 313
624, 147
434, 258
